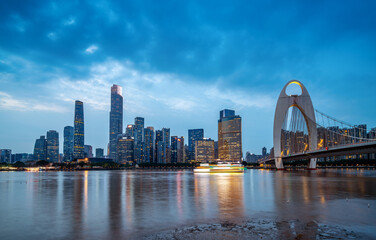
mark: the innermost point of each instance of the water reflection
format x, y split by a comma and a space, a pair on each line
115, 204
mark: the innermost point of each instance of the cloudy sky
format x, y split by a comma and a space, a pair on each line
180, 63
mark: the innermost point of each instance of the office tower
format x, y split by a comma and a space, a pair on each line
149, 145
161, 152
6, 155
204, 150
125, 149
180, 150
166, 136
174, 149
138, 139
116, 118
99, 153
129, 131
79, 130
186, 153
215, 149
53, 146
229, 136
40, 149
158, 138
193, 136
68, 143
264, 151
88, 151
167, 145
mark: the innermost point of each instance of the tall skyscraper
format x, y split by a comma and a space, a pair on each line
138, 139
229, 136
149, 144
174, 149
79, 130
204, 150
193, 136
116, 118
125, 149
129, 131
68, 143
99, 153
181, 150
40, 149
158, 139
52, 146
167, 145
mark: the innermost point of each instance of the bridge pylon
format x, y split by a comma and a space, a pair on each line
304, 104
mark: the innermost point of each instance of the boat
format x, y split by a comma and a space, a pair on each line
220, 167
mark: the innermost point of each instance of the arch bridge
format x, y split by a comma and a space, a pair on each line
309, 134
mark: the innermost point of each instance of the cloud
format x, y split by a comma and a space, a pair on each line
8, 102
91, 49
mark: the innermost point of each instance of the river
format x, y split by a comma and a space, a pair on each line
138, 204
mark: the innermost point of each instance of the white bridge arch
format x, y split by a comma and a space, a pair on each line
304, 103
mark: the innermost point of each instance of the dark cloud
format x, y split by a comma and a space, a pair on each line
206, 40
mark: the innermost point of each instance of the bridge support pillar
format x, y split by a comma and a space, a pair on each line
312, 164
279, 163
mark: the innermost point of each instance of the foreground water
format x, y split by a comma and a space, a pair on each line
134, 204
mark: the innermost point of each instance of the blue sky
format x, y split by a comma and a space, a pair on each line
180, 63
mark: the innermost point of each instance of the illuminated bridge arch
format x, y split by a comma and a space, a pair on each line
304, 104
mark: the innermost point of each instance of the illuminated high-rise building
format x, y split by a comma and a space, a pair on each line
181, 150
158, 138
116, 118
40, 149
204, 150
68, 143
52, 146
138, 139
125, 149
79, 130
229, 136
129, 131
174, 149
193, 136
149, 145
167, 145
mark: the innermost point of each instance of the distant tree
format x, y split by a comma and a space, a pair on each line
42, 163
244, 163
19, 164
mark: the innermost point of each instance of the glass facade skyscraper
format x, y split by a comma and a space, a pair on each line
138, 139
79, 130
193, 136
40, 149
149, 144
52, 146
116, 118
99, 153
174, 149
68, 143
229, 136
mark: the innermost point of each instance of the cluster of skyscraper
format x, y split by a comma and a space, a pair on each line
140, 144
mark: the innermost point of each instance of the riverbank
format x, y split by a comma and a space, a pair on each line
262, 229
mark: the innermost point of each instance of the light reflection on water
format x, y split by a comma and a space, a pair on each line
111, 204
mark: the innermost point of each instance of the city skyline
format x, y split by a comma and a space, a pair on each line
234, 56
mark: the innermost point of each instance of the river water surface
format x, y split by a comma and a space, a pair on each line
133, 204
